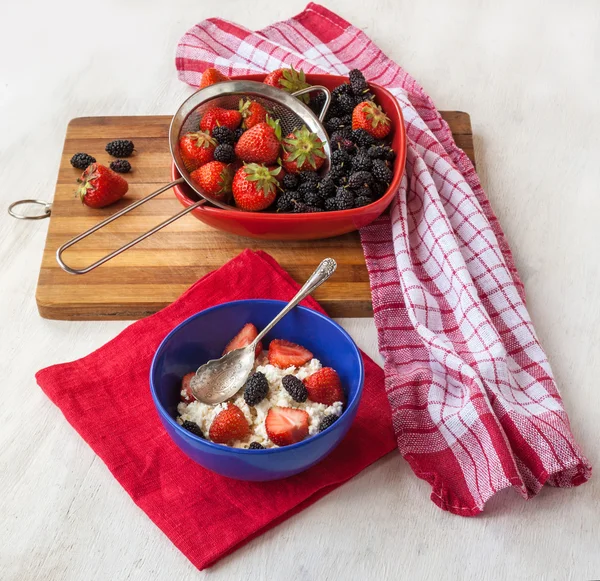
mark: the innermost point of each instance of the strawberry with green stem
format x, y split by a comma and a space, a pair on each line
101, 186
252, 113
219, 117
370, 117
214, 179
302, 150
290, 80
261, 143
255, 186
197, 149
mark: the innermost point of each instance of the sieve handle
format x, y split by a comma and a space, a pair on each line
124, 211
317, 88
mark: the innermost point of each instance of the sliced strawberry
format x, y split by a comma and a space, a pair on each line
325, 386
286, 426
246, 335
284, 354
229, 425
186, 392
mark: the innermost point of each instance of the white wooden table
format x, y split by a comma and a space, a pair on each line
529, 75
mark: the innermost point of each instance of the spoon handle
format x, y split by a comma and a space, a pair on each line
316, 279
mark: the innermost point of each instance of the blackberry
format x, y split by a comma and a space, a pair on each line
317, 101
326, 187
340, 156
381, 152
82, 160
342, 181
302, 208
120, 166
358, 82
312, 209
326, 422
256, 388
192, 427
306, 188
362, 138
333, 111
361, 162
346, 103
295, 388
119, 148
238, 133
224, 152
330, 204
344, 199
341, 140
285, 202
333, 124
343, 89
379, 188
366, 96
381, 171
257, 446
360, 178
290, 181
223, 134
346, 121
362, 190
314, 199
336, 172
360, 201
308, 176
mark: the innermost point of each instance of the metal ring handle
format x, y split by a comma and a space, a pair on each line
317, 88
124, 211
46, 214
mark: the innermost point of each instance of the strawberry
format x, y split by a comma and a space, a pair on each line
212, 76
371, 118
277, 172
260, 144
252, 113
284, 354
197, 149
286, 426
214, 179
217, 116
325, 386
254, 187
302, 150
101, 186
186, 392
245, 336
230, 424
289, 80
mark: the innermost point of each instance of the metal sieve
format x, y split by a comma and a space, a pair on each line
291, 112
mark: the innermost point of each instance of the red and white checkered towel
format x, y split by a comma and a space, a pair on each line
474, 404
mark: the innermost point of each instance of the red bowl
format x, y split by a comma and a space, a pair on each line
273, 226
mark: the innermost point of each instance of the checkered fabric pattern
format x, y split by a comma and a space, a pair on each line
474, 405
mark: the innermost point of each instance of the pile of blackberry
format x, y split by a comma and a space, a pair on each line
361, 166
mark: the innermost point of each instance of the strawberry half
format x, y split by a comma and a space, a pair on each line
371, 118
325, 386
197, 149
255, 186
218, 116
284, 354
289, 80
230, 424
302, 150
186, 392
214, 179
212, 76
101, 186
245, 336
286, 426
261, 143
252, 113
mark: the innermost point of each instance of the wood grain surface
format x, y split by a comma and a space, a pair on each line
154, 273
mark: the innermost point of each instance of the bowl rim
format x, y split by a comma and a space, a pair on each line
386, 199
351, 405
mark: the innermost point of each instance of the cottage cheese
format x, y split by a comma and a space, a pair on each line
203, 414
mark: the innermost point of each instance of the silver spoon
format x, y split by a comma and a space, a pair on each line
219, 379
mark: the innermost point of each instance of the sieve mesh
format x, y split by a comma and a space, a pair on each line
290, 111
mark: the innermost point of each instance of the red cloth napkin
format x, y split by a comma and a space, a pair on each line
474, 404
106, 398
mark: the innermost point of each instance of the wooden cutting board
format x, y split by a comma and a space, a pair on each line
154, 273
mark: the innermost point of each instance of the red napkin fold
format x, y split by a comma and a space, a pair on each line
106, 398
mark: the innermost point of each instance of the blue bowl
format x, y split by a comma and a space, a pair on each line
204, 335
